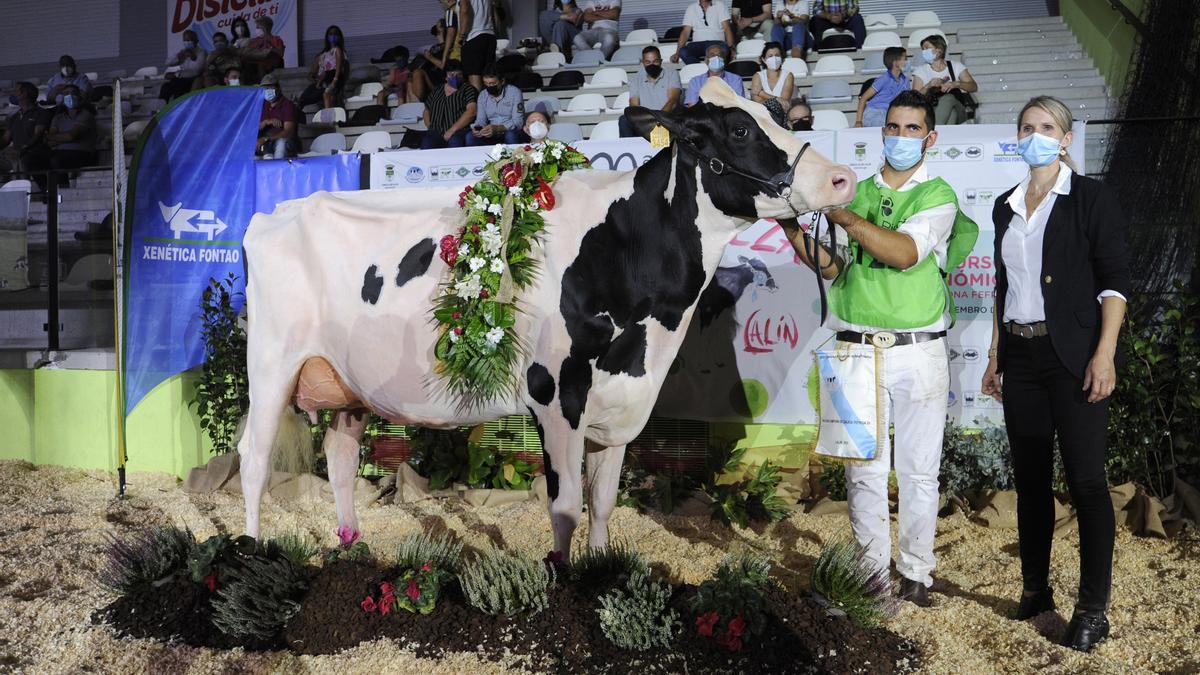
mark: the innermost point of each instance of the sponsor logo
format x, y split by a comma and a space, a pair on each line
832, 383
953, 153
970, 354
389, 170
860, 151
981, 195
951, 398
605, 160
463, 172
954, 354
477, 171
414, 174
764, 334
1006, 151
974, 152
979, 401
191, 222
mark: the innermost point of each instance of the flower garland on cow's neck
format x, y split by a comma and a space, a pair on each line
490, 261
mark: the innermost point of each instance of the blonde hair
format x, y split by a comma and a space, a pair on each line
1061, 115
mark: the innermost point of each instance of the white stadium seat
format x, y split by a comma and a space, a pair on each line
329, 116
834, 64
914, 40
608, 130
588, 57
873, 64
549, 102
366, 93
831, 91
627, 55
92, 77
585, 104
749, 50
641, 37
620, 104
549, 61
667, 51
372, 141
326, 144
502, 46
607, 77
147, 72
922, 19
567, 132
882, 21
796, 66
408, 113
689, 71
829, 120
881, 40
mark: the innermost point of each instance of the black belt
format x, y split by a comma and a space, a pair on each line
881, 338
1027, 330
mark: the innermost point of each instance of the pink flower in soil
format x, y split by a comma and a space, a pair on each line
413, 591
737, 626
347, 535
385, 603
385, 588
368, 604
705, 623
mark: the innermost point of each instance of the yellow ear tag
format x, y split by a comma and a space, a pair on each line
659, 137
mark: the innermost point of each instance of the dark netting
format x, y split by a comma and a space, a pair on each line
1154, 166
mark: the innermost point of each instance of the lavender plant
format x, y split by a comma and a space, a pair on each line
842, 578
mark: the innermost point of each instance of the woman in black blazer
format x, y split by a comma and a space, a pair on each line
1062, 279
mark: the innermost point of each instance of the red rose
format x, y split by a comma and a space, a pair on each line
449, 246
705, 623
484, 294
385, 588
737, 626
456, 316
528, 148
413, 591
458, 330
544, 195
211, 582
368, 604
474, 229
462, 196
511, 174
385, 604
426, 566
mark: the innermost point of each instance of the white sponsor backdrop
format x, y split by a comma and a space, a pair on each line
207, 17
752, 364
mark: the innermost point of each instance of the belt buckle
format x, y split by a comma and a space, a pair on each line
883, 339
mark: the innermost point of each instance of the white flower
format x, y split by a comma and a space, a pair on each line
469, 287
498, 151
464, 250
556, 153
480, 202
491, 242
515, 190
495, 335
497, 266
492, 229
453, 336
495, 209
476, 263
537, 157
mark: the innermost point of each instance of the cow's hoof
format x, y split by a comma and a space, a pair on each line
556, 560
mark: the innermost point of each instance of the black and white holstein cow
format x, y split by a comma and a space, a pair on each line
341, 285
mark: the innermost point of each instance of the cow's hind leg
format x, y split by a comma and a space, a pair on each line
341, 444
267, 402
604, 477
562, 455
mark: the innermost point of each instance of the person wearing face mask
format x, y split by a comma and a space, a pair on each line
941, 80
328, 73
396, 82
23, 146
772, 83
450, 110
537, 124
889, 293
277, 123
653, 87
233, 77
715, 58
799, 115
1062, 276
190, 63
500, 110
240, 30
72, 133
223, 57
874, 102
264, 52
67, 75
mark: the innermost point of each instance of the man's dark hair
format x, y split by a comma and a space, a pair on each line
910, 98
651, 48
492, 70
221, 35
27, 89
66, 60
452, 65
891, 55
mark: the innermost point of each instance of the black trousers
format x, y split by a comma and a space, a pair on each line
1042, 399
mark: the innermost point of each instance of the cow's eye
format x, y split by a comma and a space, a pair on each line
740, 132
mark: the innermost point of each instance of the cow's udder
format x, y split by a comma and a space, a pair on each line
321, 388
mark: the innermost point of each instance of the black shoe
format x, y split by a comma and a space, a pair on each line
914, 592
1032, 605
1086, 631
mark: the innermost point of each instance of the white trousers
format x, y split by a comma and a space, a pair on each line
917, 383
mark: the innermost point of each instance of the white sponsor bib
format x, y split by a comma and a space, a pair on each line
850, 412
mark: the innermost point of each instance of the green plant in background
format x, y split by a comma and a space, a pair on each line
373, 429
296, 546
731, 606
974, 461
754, 498
442, 550
662, 491
593, 566
842, 578
637, 617
144, 558
258, 595
223, 392
447, 457
833, 478
498, 582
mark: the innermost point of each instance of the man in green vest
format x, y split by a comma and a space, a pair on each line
889, 291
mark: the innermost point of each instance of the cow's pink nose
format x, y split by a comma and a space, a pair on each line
843, 182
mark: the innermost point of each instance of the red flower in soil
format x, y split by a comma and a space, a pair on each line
368, 604
705, 623
449, 250
484, 294
734, 645
211, 582
385, 603
544, 195
737, 626
426, 567
511, 174
413, 591
385, 588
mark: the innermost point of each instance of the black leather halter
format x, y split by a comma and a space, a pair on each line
779, 185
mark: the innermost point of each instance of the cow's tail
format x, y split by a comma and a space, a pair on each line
292, 451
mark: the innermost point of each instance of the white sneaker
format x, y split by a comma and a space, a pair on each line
554, 47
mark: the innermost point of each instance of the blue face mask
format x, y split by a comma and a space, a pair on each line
716, 64
902, 152
929, 54
331, 39
269, 95
1038, 150
13, 100
454, 81
69, 101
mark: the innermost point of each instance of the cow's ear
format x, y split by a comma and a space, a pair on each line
643, 121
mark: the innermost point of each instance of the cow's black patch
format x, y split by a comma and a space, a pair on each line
415, 262
541, 385
547, 467
727, 286
626, 353
372, 285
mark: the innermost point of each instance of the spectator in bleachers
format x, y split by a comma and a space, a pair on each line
603, 17
652, 87
449, 110
448, 34
264, 52
751, 17
329, 72
223, 57
706, 22
190, 60
426, 71
67, 75
873, 104
277, 124
537, 124
715, 58
842, 14
939, 77
559, 25
232, 77
791, 29
72, 132
799, 115
479, 49
23, 147
499, 112
772, 82
397, 80
241, 33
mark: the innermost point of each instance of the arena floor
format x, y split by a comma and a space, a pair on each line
54, 523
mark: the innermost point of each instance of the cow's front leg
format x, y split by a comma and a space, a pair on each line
604, 477
562, 463
341, 445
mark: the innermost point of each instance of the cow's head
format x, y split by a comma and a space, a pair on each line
751, 167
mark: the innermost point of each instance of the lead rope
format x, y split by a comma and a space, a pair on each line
813, 251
